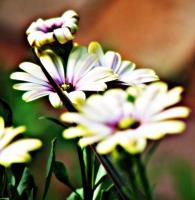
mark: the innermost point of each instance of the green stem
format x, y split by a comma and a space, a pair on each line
143, 177
113, 174
82, 167
89, 173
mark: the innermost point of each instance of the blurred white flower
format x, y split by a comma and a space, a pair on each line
47, 31
118, 118
15, 151
80, 75
126, 71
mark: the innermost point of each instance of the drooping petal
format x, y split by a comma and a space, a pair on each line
77, 97
55, 100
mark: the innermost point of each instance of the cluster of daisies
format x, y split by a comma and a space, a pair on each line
115, 103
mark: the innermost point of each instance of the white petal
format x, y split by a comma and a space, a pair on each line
159, 129
30, 86
133, 145
55, 100
34, 94
112, 60
107, 145
77, 97
83, 142
23, 76
73, 59
54, 65
95, 48
97, 74
125, 67
11, 133
176, 112
33, 69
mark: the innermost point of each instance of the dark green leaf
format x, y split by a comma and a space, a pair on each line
26, 184
49, 168
61, 173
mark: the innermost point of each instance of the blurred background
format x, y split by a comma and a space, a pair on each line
156, 34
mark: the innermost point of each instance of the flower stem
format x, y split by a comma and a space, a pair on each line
143, 176
82, 168
113, 174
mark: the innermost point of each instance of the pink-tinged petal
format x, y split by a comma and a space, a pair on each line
35, 94
112, 60
125, 67
75, 56
84, 65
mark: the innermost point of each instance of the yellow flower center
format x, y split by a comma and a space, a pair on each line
65, 87
127, 122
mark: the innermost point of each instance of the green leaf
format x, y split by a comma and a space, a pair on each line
49, 168
26, 184
151, 150
6, 112
75, 196
61, 173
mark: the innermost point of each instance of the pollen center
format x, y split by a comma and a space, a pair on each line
128, 122
65, 87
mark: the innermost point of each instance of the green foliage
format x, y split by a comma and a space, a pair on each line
49, 168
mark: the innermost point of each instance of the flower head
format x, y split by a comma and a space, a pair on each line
116, 118
126, 71
60, 29
15, 151
81, 74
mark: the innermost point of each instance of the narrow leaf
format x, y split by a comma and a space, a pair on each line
49, 168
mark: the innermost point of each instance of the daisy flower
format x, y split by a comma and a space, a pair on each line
80, 75
116, 118
60, 29
126, 71
16, 151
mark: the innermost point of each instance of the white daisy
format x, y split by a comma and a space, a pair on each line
116, 118
60, 29
80, 75
15, 151
126, 71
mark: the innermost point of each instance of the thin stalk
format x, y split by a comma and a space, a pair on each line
89, 173
143, 177
83, 174
112, 173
